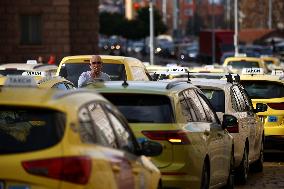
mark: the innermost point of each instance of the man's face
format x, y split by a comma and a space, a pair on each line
96, 64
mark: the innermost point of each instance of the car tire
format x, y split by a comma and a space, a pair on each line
205, 178
258, 165
243, 170
231, 177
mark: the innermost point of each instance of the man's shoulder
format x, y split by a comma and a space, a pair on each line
84, 74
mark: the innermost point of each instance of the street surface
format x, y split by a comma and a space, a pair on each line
271, 177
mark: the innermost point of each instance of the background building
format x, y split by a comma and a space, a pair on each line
33, 28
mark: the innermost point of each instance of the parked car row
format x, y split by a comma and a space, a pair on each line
199, 133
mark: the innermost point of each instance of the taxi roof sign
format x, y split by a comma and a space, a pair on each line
20, 81
279, 72
31, 62
252, 71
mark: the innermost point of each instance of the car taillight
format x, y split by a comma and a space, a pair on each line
276, 106
75, 169
233, 129
172, 136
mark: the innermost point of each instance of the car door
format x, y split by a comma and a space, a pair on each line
104, 135
127, 143
204, 134
222, 138
255, 124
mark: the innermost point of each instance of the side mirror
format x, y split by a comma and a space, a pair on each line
260, 107
151, 148
230, 123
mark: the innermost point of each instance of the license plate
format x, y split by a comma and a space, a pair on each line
272, 119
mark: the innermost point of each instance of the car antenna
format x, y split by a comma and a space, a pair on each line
188, 80
125, 84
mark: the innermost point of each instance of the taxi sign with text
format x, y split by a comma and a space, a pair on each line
20, 81
277, 72
252, 71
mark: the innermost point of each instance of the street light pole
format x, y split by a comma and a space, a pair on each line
151, 43
213, 33
236, 28
270, 14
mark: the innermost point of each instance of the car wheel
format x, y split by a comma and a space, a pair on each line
205, 179
242, 174
258, 165
230, 180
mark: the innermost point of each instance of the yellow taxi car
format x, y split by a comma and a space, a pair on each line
207, 69
69, 139
269, 90
118, 67
37, 69
237, 63
197, 149
55, 82
271, 62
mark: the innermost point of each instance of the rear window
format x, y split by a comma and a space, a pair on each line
216, 98
29, 129
263, 89
243, 64
73, 71
144, 108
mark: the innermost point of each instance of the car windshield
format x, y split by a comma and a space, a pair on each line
263, 89
29, 129
73, 71
143, 108
216, 98
243, 64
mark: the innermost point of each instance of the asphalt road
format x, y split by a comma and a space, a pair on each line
272, 176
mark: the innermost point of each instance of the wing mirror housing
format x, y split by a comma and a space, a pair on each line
151, 148
230, 123
260, 107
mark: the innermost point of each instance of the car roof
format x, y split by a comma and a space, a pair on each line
24, 66
165, 87
242, 58
61, 100
212, 83
263, 77
105, 59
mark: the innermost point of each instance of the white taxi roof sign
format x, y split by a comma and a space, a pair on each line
279, 72
20, 81
252, 71
33, 73
31, 62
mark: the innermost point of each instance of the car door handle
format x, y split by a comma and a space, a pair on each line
206, 132
115, 168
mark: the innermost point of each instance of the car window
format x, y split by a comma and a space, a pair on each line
211, 116
263, 89
61, 86
104, 132
86, 129
187, 108
124, 138
139, 73
243, 64
216, 98
195, 105
238, 101
72, 71
24, 129
143, 108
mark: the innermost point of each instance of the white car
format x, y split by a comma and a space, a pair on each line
231, 98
